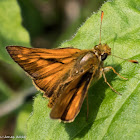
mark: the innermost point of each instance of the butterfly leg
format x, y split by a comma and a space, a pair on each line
108, 83
109, 67
87, 106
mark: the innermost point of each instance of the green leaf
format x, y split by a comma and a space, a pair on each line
5, 91
30, 15
22, 119
110, 116
11, 29
11, 33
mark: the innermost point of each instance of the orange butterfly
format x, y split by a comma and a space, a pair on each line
63, 74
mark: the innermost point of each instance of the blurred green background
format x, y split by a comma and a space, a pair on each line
37, 23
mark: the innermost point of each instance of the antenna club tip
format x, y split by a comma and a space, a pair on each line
134, 61
102, 14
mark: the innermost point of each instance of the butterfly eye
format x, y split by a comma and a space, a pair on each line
96, 47
104, 56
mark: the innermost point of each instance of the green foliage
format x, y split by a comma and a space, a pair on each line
11, 33
30, 16
11, 29
23, 116
110, 116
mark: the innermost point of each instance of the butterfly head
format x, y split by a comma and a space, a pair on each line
102, 51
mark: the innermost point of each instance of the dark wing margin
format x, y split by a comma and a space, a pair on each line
70, 101
47, 67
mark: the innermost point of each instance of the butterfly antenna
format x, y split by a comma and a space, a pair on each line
102, 14
132, 61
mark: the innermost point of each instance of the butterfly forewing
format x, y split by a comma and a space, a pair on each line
45, 66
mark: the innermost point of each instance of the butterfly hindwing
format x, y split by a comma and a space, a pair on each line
69, 103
